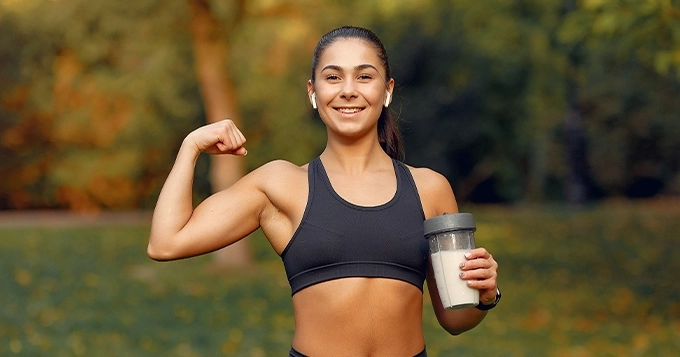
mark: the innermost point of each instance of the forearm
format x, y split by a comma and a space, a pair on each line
174, 207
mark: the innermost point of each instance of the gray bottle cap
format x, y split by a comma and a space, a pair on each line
449, 222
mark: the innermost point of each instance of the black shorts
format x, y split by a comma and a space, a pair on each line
294, 353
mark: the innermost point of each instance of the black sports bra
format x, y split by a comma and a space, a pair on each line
337, 239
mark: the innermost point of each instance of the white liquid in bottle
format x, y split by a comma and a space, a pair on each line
453, 291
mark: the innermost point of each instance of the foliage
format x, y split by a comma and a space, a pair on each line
95, 97
647, 30
485, 95
592, 282
631, 56
93, 109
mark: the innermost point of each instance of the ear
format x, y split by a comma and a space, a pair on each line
312, 96
388, 96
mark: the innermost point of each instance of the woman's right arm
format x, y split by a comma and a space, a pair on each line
180, 231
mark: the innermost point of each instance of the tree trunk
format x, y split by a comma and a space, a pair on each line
575, 133
575, 189
217, 90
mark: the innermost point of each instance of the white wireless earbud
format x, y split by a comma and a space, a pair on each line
387, 100
313, 100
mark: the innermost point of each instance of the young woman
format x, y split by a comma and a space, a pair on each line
348, 225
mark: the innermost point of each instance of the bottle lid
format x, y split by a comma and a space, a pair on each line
449, 222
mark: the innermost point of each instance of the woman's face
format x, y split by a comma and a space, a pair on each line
350, 87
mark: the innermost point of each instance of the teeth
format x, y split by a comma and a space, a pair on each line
349, 110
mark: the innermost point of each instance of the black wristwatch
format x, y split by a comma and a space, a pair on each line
485, 307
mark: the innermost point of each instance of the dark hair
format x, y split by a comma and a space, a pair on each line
388, 131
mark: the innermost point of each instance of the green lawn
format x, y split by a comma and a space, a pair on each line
597, 281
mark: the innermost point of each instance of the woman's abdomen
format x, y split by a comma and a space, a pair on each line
359, 316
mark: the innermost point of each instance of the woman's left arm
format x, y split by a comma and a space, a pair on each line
480, 269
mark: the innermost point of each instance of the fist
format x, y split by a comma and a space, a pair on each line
218, 138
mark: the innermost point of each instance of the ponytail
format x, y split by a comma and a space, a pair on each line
389, 136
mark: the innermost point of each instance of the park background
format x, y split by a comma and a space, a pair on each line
556, 122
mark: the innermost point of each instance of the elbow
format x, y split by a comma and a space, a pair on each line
458, 326
455, 331
160, 254
155, 254
452, 331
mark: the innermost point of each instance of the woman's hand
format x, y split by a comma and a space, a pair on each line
218, 138
480, 271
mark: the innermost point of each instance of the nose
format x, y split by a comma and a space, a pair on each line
349, 90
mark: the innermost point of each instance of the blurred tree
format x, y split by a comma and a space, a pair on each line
574, 128
487, 88
219, 100
648, 31
631, 81
140, 55
89, 111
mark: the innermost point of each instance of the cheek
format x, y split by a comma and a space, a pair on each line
376, 95
324, 94
379, 95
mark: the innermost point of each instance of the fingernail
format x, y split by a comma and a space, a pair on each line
469, 282
462, 265
468, 255
246, 153
462, 275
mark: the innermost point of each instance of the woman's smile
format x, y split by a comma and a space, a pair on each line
349, 110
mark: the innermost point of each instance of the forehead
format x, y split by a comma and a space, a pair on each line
349, 53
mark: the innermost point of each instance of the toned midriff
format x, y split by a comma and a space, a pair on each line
359, 317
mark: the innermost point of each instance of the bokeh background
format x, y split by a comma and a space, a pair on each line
557, 124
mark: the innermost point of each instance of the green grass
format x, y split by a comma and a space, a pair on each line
599, 281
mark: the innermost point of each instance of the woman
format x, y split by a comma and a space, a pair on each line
348, 225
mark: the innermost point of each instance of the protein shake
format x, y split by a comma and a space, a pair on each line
450, 237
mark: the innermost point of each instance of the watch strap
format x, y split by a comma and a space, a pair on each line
485, 307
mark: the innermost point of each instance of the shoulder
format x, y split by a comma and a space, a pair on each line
278, 175
435, 191
428, 179
277, 169
430, 182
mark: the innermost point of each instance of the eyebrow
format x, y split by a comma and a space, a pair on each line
357, 68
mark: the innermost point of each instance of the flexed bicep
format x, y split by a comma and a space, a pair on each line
222, 219
177, 229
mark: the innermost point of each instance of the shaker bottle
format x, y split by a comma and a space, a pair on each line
450, 237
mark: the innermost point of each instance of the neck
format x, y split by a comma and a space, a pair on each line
355, 158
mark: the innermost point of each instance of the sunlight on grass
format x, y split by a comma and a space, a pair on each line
591, 282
